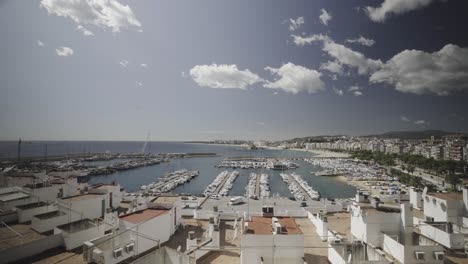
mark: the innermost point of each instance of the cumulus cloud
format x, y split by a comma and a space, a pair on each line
332, 66
223, 76
295, 23
260, 123
139, 84
325, 17
338, 91
412, 71
405, 119
101, 13
144, 65
294, 79
123, 63
420, 122
355, 90
40, 43
302, 41
84, 31
342, 54
362, 40
64, 51
395, 7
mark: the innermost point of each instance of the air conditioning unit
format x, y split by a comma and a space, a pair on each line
98, 256
117, 252
336, 241
130, 247
419, 255
88, 251
439, 255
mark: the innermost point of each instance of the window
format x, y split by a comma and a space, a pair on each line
117, 252
439, 255
419, 255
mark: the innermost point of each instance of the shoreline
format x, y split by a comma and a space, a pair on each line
325, 153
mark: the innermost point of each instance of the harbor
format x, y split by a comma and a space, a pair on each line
258, 163
170, 181
221, 184
299, 188
258, 186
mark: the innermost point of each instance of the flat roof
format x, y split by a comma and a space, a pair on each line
143, 215
81, 197
448, 196
262, 226
13, 196
9, 239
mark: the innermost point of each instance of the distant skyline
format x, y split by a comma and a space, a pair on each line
207, 70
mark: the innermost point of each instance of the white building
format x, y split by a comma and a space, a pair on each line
393, 232
139, 232
272, 240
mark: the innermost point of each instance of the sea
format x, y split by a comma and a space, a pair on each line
132, 180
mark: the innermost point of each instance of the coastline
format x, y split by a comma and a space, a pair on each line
325, 153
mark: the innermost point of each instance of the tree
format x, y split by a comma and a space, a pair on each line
453, 179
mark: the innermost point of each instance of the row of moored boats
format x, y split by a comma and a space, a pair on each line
299, 187
226, 179
264, 186
170, 181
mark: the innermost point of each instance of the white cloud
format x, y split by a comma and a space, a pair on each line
84, 31
357, 93
183, 74
342, 54
356, 90
144, 65
412, 71
40, 43
64, 51
101, 13
223, 76
395, 7
139, 84
332, 66
294, 79
420, 122
405, 119
325, 17
123, 63
338, 91
260, 123
362, 40
295, 23
140, 30
302, 41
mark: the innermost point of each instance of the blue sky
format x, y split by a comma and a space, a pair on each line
201, 70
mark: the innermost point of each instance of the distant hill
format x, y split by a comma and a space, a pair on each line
414, 134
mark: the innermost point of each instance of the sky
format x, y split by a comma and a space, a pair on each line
211, 69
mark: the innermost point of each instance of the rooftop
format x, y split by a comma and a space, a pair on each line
262, 226
13, 196
9, 238
81, 197
449, 196
77, 226
31, 205
143, 215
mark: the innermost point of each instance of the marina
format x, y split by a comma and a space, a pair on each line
221, 184
300, 189
170, 181
258, 163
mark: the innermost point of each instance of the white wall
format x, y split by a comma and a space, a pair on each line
273, 248
76, 239
368, 226
26, 215
452, 241
443, 210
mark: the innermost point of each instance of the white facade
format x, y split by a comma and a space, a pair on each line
270, 247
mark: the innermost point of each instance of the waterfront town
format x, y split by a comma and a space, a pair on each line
402, 212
